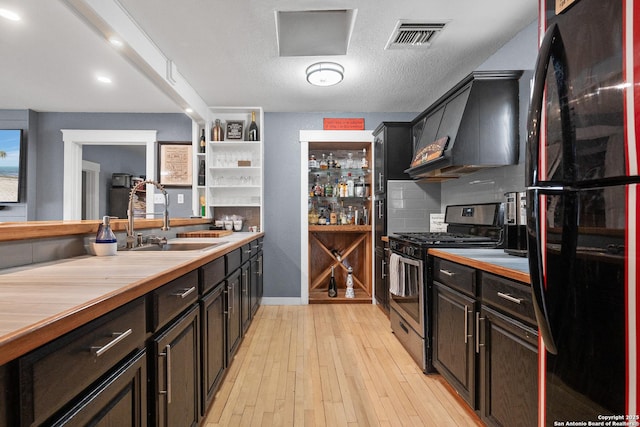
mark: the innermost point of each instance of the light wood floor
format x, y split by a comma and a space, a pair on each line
330, 365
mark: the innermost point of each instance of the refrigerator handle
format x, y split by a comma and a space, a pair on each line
551, 46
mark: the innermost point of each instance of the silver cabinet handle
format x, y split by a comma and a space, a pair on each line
447, 273
383, 273
478, 319
259, 272
167, 356
509, 298
118, 336
380, 186
466, 324
186, 292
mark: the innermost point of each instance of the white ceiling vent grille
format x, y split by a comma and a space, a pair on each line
418, 35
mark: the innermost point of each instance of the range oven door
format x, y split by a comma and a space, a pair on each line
410, 304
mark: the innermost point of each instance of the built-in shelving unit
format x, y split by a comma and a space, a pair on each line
234, 169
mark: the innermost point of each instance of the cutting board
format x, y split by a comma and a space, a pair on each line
205, 233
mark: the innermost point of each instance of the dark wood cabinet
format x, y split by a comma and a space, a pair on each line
118, 400
381, 278
508, 371
392, 153
485, 342
213, 343
245, 297
8, 407
176, 373
233, 313
77, 360
454, 353
255, 293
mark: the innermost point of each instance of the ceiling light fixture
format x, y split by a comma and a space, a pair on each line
11, 16
103, 79
325, 73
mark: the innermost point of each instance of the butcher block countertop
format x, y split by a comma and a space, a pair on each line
492, 260
41, 302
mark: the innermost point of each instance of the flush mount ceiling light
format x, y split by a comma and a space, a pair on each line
325, 73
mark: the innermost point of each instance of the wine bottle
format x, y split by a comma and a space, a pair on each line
202, 173
217, 133
336, 253
253, 128
203, 142
333, 288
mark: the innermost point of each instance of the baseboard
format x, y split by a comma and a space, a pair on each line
281, 301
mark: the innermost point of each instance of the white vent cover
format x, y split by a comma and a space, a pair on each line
411, 34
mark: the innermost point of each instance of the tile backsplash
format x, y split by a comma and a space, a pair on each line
409, 205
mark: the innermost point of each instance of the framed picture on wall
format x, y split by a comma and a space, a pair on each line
175, 164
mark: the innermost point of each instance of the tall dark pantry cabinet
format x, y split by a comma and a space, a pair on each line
392, 155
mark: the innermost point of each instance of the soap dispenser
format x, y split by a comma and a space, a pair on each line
106, 242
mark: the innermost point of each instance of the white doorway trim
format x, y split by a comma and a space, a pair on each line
74, 139
92, 189
307, 136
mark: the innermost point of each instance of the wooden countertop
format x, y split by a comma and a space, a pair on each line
42, 229
41, 302
492, 260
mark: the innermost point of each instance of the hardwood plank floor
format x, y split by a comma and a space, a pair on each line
330, 365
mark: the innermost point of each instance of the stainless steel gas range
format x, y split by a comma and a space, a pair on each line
410, 274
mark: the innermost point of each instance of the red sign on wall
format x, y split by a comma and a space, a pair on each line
343, 124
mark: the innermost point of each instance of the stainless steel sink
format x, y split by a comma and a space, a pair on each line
179, 246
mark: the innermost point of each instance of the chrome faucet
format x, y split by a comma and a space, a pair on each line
131, 239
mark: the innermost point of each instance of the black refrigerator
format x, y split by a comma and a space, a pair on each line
583, 202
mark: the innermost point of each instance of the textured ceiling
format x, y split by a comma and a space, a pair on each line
227, 51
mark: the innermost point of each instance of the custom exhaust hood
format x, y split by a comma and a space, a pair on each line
471, 127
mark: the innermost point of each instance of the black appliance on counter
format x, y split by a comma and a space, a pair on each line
469, 226
582, 216
515, 223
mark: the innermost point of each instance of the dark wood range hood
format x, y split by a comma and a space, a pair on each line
473, 126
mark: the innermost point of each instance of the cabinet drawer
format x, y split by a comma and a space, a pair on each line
247, 252
455, 275
508, 296
211, 274
54, 374
173, 298
234, 259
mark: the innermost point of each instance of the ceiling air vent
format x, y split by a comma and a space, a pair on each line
414, 34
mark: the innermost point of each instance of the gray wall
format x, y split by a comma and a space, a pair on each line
282, 195
170, 127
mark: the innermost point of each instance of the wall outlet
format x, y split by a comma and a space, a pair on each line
180, 198
158, 198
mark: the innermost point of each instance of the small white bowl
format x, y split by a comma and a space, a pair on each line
105, 249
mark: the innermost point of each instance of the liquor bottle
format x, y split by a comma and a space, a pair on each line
331, 163
350, 293
350, 186
333, 216
333, 288
313, 163
202, 173
203, 207
364, 162
328, 188
336, 253
323, 162
203, 142
253, 128
217, 133
317, 188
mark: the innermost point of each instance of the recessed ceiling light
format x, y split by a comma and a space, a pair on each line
116, 41
103, 79
7, 14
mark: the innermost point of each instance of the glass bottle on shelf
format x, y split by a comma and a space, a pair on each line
331, 163
333, 288
350, 186
254, 135
217, 132
364, 162
359, 187
349, 293
349, 162
333, 216
203, 143
317, 188
202, 173
323, 162
328, 188
313, 163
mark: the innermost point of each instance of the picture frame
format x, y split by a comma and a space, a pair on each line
175, 164
235, 130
